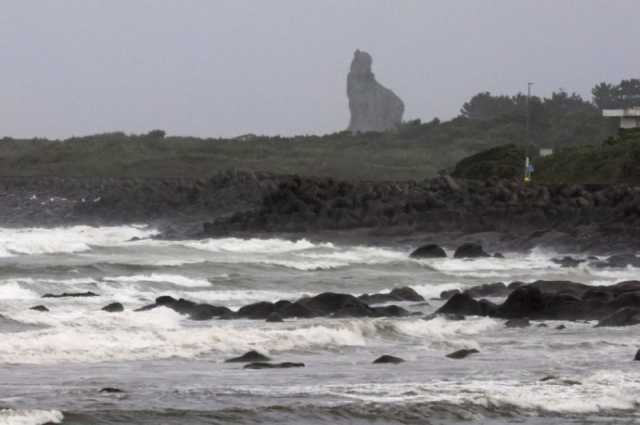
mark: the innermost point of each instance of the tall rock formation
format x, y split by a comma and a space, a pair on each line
373, 107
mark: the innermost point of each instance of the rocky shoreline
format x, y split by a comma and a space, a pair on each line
507, 214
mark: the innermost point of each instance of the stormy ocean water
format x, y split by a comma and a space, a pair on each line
171, 370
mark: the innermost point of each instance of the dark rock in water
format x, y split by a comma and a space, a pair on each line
391, 311
560, 327
446, 316
445, 295
249, 357
111, 390
627, 316
498, 255
296, 310
568, 261
397, 294
406, 293
470, 250
329, 304
542, 325
113, 308
39, 308
274, 318
429, 251
263, 365
497, 289
523, 302
619, 261
388, 359
555, 380
637, 357
194, 310
259, 310
463, 304
71, 294
461, 354
518, 323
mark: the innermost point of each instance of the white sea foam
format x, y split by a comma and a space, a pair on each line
12, 290
174, 279
597, 394
236, 245
33, 241
161, 333
30, 417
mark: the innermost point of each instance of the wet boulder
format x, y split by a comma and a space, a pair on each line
388, 359
397, 294
259, 310
391, 311
40, 308
462, 304
497, 289
274, 318
619, 261
637, 357
265, 365
71, 295
113, 308
517, 323
526, 301
568, 261
249, 357
445, 295
627, 316
461, 354
110, 390
470, 250
194, 310
296, 310
429, 251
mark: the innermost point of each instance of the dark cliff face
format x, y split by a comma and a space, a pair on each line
373, 107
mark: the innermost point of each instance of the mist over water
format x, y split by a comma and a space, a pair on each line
173, 368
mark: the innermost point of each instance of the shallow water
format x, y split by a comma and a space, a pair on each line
173, 369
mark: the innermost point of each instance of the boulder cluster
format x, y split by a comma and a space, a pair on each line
615, 305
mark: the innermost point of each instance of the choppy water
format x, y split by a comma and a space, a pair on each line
173, 370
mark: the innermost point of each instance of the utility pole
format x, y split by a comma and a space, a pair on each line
527, 149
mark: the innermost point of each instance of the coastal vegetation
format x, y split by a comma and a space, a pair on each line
571, 125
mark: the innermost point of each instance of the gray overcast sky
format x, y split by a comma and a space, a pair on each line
228, 67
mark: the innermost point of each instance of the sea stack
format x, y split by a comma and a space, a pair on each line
373, 107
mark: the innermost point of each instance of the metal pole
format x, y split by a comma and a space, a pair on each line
527, 149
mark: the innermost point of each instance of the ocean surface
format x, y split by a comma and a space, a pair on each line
172, 370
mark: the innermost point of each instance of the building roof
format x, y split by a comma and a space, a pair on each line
629, 112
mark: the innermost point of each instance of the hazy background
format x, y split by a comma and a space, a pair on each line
228, 67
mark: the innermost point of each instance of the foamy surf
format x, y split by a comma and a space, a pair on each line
30, 417
66, 240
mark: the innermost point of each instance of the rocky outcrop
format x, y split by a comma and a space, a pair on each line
529, 213
373, 107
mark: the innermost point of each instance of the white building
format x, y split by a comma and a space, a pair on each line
629, 118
